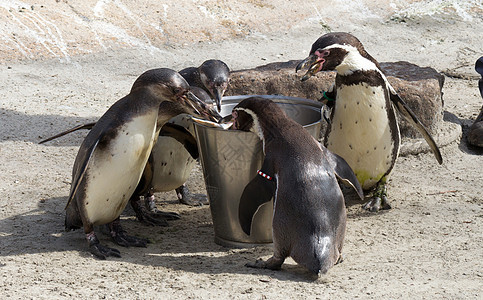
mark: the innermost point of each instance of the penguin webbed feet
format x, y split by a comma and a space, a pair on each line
272, 263
120, 237
378, 200
186, 197
147, 212
98, 250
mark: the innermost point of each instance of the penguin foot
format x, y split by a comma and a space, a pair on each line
272, 263
148, 214
102, 252
378, 201
158, 218
151, 206
340, 260
258, 264
185, 197
125, 240
120, 237
99, 250
376, 204
475, 132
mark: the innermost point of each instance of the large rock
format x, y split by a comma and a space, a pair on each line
419, 87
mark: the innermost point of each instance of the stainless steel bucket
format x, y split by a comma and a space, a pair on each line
231, 158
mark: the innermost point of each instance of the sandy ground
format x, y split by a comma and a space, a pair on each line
427, 246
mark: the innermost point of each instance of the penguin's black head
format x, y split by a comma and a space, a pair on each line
168, 85
329, 51
202, 95
258, 115
215, 76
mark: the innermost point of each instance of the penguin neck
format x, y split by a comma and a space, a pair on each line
354, 61
167, 111
271, 130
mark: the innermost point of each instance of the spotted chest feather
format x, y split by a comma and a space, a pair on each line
361, 131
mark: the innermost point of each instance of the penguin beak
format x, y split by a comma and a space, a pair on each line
201, 108
314, 65
223, 123
226, 119
218, 92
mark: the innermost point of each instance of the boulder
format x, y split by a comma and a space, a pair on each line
419, 87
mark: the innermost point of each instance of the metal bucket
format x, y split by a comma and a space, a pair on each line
231, 158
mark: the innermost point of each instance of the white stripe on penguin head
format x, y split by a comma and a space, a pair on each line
256, 128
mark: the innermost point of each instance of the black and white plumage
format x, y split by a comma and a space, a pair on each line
309, 213
212, 75
112, 157
175, 155
172, 159
363, 128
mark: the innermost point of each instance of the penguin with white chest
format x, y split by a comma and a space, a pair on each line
112, 157
363, 128
309, 216
175, 154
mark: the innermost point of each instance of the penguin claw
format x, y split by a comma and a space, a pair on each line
167, 215
378, 201
125, 240
373, 205
185, 197
158, 218
384, 203
376, 204
195, 200
120, 237
102, 252
148, 214
258, 264
272, 264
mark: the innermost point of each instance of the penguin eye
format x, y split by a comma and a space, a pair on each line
178, 91
325, 53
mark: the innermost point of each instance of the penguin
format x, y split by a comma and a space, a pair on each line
112, 157
173, 157
309, 217
475, 132
173, 161
363, 128
212, 75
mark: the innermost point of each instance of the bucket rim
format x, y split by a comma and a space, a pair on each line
280, 98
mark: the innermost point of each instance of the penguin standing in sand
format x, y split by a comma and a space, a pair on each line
309, 215
112, 157
363, 129
174, 155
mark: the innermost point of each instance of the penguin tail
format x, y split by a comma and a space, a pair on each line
73, 220
319, 259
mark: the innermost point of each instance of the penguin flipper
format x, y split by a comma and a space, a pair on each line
82, 126
479, 70
183, 136
257, 192
409, 115
343, 171
79, 175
